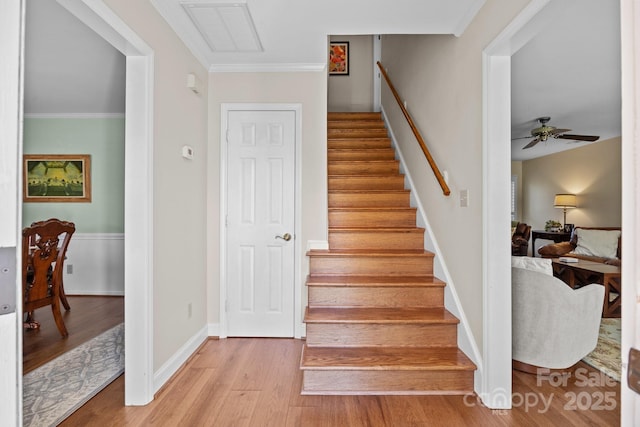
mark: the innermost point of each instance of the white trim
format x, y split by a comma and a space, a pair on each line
630, 57
267, 68
138, 213
178, 359
98, 236
466, 341
225, 108
377, 77
213, 330
11, 106
495, 388
74, 116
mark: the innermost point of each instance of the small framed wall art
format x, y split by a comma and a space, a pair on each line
57, 178
339, 58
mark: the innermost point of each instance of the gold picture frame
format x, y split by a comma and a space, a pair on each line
57, 178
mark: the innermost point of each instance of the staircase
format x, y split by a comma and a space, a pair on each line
376, 322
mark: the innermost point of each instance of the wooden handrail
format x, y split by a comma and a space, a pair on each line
416, 132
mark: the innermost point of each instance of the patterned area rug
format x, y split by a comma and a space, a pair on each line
54, 391
606, 356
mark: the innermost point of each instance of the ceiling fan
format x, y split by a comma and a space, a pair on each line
543, 133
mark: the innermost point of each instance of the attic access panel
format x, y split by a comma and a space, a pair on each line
225, 27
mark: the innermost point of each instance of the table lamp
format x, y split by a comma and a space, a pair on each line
564, 201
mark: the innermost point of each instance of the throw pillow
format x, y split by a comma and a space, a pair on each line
555, 249
600, 243
541, 265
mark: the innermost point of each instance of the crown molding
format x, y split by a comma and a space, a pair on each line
267, 68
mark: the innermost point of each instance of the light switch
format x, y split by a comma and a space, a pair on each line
464, 198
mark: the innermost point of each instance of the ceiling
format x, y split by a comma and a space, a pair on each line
569, 71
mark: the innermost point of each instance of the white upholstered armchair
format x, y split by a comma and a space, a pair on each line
554, 326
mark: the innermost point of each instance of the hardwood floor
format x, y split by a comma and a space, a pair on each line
89, 316
257, 382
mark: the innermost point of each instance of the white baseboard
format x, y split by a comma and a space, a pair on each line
179, 358
213, 330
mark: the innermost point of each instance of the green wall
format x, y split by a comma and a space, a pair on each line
103, 139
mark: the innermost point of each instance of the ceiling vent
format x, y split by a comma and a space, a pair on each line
225, 27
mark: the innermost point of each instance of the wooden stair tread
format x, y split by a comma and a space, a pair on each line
373, 281
349, 141
365, 161
377, 229
371, 208
360, 191
384, 358
428, 315
368, 252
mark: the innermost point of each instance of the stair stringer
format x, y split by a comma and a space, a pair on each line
466, 341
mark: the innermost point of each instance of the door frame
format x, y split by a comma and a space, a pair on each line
225, 109
496, 382
138, 198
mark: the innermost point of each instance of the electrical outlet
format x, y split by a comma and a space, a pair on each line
189, 310
69, 268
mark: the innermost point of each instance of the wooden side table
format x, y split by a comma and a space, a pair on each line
556, 236
583, 273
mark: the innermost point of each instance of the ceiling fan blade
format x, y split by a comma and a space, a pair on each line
531, 144
557, 131
521, 137
590, 138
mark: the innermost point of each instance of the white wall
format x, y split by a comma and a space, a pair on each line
440, 77
179, 208
307, 88
355, 91
94, 264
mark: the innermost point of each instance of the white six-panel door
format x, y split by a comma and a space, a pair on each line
260, 223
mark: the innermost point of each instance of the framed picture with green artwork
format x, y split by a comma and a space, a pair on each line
57, 178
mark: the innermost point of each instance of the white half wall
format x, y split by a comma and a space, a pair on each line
95, 264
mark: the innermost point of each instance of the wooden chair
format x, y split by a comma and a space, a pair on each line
42, 263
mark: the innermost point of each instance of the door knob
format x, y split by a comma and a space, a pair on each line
286, 237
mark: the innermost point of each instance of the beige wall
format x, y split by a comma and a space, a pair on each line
591, 172
516, 169
355, 91
440, 77
306, 88
179, 209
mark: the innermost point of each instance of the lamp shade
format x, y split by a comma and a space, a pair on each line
564, 201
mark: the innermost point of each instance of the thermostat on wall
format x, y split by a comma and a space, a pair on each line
187, 152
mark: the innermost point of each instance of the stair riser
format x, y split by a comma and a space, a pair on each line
397, 296
355, 124
356, 115
381, 334
337, 200
340, 381
391, 182
381, 167
370, 239
354, 218
363, 264
372, 154
356, 133
359, 143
